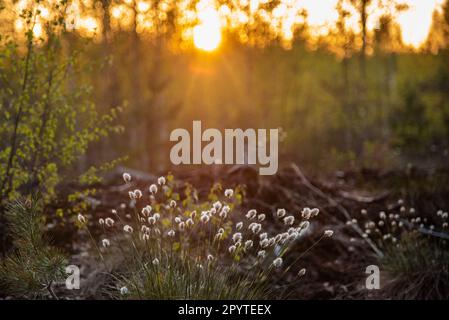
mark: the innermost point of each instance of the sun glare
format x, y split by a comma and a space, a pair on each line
210, 19
207, 34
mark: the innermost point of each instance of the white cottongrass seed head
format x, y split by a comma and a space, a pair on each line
81, 218
137, 194
289, 220
189, 222
109, 222
306, 213
217, 205
302, 272
277, 262
280, 213
251, 214
126, 177
236, 237
127, 228
328, 233
229, 193
146, 210
161, 181
105, 243
255, 227
153, 189
204, 218
124, 291
151, 221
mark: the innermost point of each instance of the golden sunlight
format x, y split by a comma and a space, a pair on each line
207, 34
416, 21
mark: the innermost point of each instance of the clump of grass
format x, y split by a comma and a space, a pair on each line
418, 267
183, 248
32, 267
415, 250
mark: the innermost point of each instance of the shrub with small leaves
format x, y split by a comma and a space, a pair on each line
47, 118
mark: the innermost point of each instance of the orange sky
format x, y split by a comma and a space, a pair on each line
415, 22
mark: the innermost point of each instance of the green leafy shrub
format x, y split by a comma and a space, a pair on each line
47, 120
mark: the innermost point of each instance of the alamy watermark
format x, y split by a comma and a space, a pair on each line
250, 146
373, 280
72, 282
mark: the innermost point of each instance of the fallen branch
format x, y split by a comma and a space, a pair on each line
363, 199
335, 204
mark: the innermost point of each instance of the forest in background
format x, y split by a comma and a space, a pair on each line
344, 99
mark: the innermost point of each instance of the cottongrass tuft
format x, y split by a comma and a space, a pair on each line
199, 254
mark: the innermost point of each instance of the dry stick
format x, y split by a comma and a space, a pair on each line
50, 290
334, 203
426, 231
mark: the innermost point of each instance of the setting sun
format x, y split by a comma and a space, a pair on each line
207, 34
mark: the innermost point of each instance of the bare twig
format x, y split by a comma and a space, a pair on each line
335, 204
